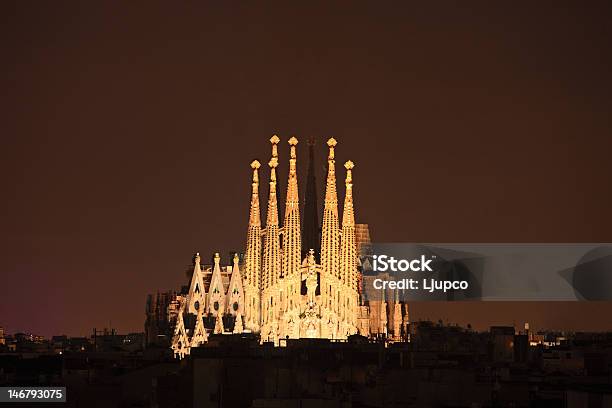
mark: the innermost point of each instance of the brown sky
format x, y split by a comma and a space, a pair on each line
127, 132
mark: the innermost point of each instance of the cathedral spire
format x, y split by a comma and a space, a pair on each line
253, 247
330, 234
274, 140
311, 238
271, 256
348, 249
252, 256
292, 239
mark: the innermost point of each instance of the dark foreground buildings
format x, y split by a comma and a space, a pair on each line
442, 366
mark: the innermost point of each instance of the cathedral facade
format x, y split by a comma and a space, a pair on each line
290, 283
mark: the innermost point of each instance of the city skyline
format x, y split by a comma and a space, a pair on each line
126, 153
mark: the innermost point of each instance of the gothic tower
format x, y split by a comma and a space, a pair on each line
330, 232
291, 227
348, 257
330, 246
292, 248
252, 260
271, 263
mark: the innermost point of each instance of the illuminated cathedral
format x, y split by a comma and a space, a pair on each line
289, 283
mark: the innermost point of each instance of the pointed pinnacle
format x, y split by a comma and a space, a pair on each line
274, 140
331, 143
293, 142
255, 165
349, 173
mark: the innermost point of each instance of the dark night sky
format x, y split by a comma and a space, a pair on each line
127, 134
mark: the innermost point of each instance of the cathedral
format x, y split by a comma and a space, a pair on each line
290, 282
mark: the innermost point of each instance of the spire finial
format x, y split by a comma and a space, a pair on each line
292, 161
255, 165
236, 258
274, 140
349, 165
293, 142
273, 163
331, 143
217, 258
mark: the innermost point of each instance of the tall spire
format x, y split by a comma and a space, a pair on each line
252, 258
311, 233
292, 238
253, 247
348, 250
330, 233
271, 256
